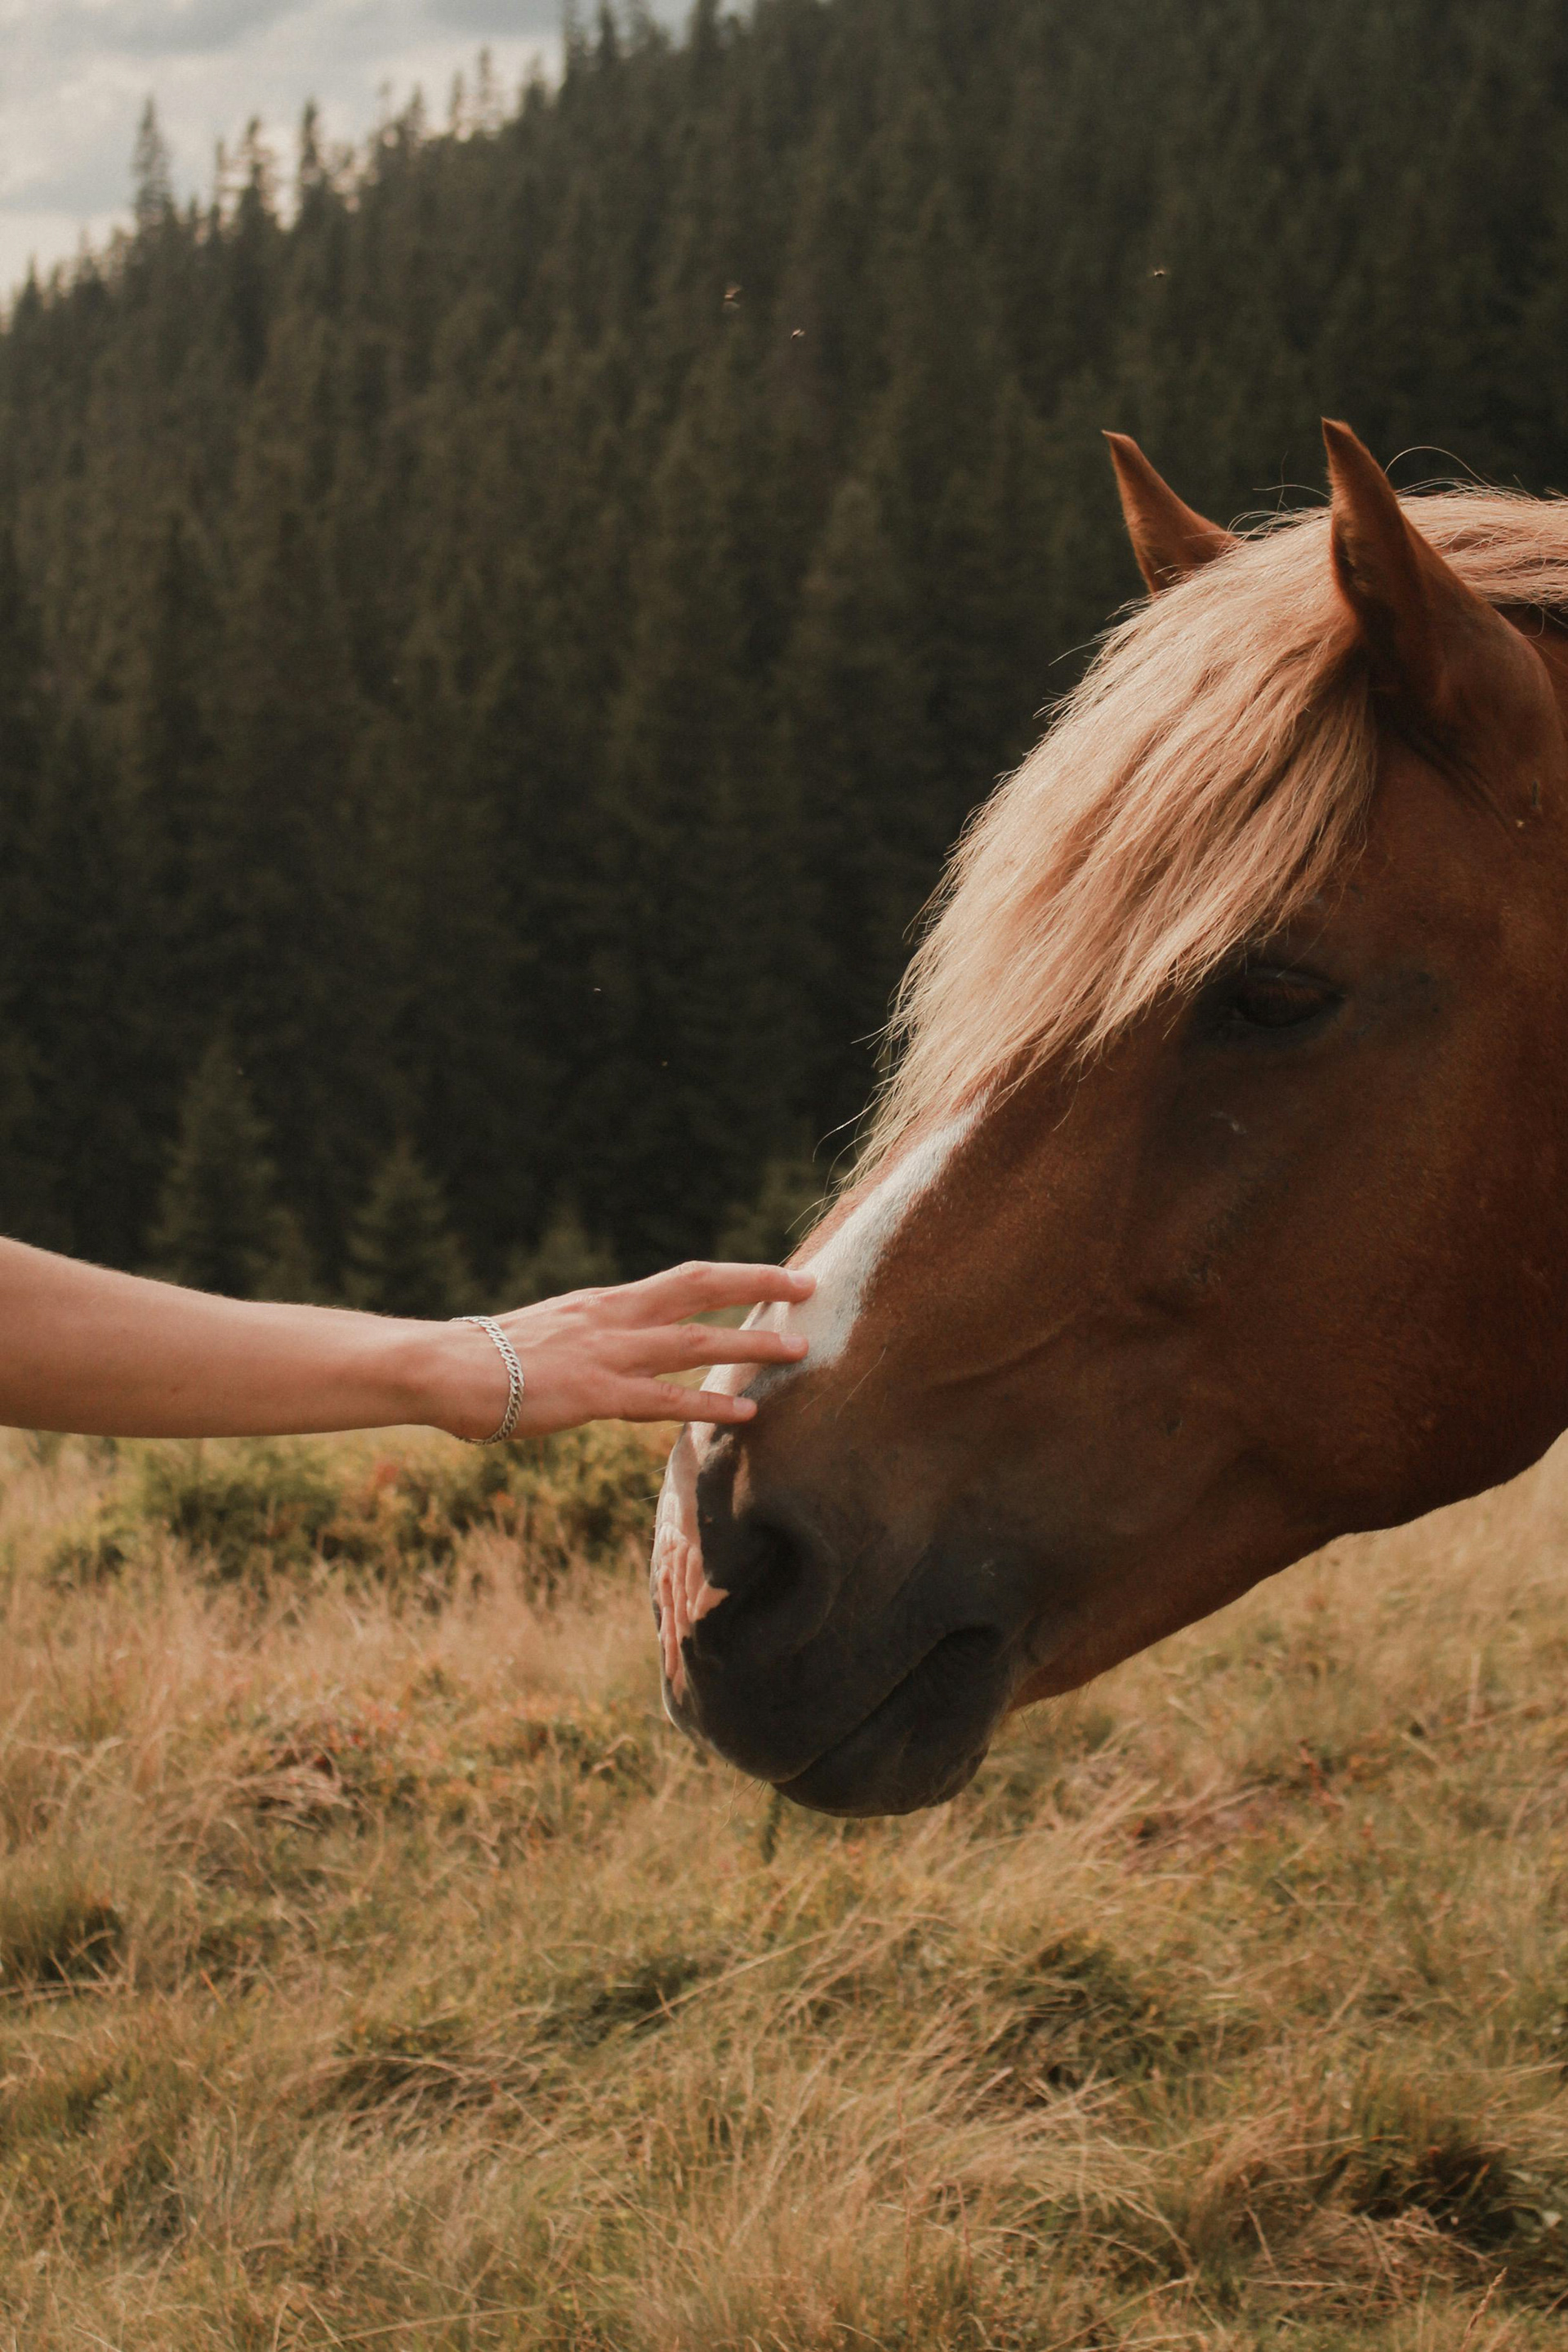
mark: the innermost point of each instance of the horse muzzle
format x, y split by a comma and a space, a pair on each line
854, 1683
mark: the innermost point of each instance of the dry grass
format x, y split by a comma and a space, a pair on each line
375, 1969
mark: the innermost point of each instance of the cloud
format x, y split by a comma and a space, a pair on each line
161, 28
59, 33
78, 72
481, 19
93, 183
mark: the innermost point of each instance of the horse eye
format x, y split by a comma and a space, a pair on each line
1265, 999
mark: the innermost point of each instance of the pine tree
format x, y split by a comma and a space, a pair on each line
169, 772
703, 1061
217, 1226
513, 635
152, 198
26, 1207
289, 1271
852, 730
568, 1257
767, 1230
403, 1257
97, 1097
291, 869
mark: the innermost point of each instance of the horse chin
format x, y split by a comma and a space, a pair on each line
892, 1762
917, 1746
923, 1743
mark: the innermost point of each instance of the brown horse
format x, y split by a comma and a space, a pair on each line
1217, 1206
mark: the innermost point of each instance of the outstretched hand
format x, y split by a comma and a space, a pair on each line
91, 1349
608, 1355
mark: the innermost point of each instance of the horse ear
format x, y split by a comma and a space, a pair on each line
1427, 634
1168, 539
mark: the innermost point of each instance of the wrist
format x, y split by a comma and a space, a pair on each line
445, 1376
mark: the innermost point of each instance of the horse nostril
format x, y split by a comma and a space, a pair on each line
774, 1579
762, 1567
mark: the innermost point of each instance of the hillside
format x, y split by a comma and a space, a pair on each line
377, 1967
491, 659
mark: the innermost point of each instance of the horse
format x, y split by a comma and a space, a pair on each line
1215, 1206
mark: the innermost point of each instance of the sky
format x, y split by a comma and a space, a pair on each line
75, 74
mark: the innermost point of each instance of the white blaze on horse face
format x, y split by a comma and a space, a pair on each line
849, 1256
843, 1266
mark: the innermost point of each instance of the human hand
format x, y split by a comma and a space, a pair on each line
606, 1354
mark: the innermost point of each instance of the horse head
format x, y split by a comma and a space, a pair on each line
1215, 1207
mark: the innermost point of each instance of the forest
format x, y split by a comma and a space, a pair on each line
497, 633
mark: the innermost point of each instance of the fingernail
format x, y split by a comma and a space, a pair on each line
745, 1407
805, 1284
797, 1346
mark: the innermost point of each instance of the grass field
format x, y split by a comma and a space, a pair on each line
377, 1969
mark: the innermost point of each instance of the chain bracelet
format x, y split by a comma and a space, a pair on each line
487, 1324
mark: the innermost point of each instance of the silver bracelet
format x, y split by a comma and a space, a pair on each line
514, 1382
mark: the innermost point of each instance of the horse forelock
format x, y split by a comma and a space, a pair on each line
1209, 776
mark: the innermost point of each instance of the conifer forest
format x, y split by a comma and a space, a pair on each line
497, 637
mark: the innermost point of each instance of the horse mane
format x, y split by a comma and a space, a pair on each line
1209, 774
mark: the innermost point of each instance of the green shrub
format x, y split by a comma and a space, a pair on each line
403, 1257
255, 1510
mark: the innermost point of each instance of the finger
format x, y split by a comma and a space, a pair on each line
668, 1545
672, 1632
718, 1345
662, 1604
700, 1288
690, 1344
685, 1595
671, 1401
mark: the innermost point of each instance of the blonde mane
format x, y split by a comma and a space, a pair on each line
1208, 775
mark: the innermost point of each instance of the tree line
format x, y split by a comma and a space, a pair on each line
494, 650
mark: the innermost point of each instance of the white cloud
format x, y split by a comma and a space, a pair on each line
490, 20
154, 28
74, 74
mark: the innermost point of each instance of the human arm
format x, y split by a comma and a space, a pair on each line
87, 1350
